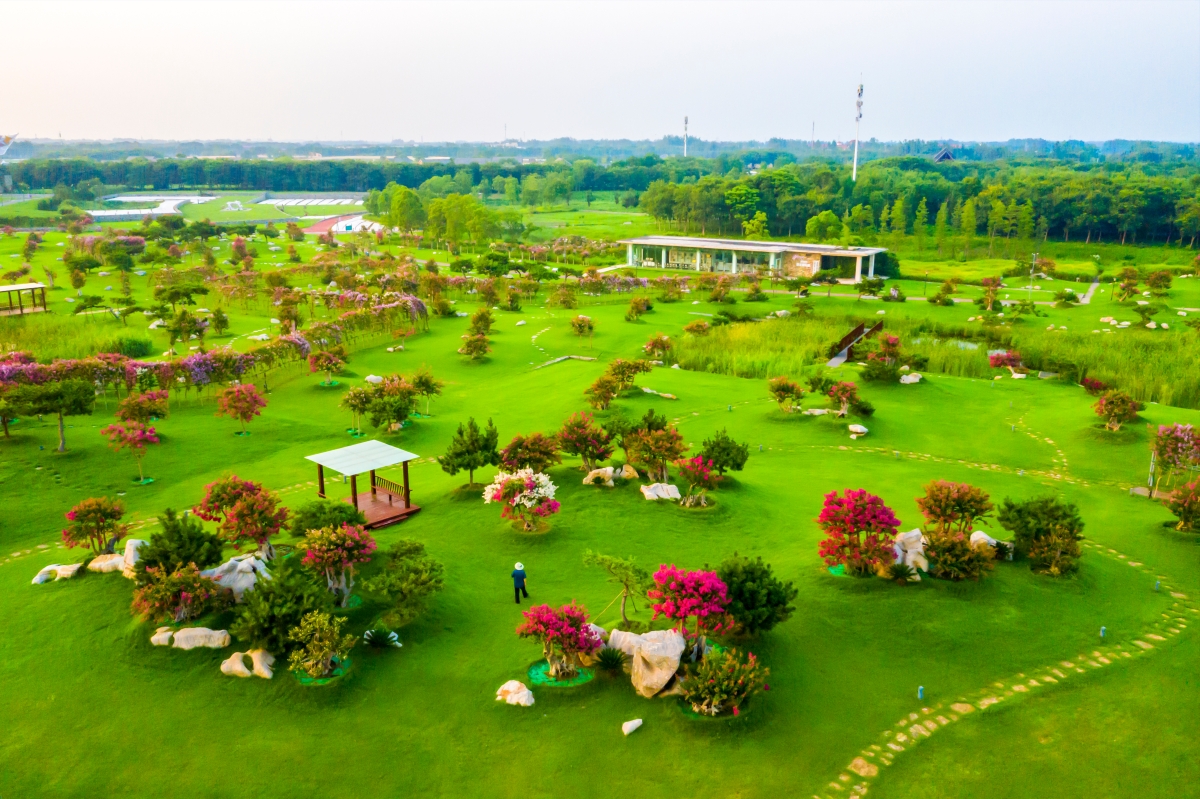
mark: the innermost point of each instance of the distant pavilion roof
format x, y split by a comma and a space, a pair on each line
21, 287
364, 457
741, 245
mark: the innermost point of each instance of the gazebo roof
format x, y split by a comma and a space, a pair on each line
364, 457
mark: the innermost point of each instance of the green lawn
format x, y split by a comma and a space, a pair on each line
96, 710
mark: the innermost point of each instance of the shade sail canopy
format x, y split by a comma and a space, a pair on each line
364, 457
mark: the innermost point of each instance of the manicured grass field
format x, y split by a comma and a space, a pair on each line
94, 709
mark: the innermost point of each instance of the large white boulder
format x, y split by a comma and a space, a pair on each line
604, 475
909, 549
192, 637
909, 379
162, 636
515, 693
858, 430
238, 574
235, 666
660, 491
654, 657
131, 556
107, 563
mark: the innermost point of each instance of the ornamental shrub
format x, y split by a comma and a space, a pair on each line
322, 513
481, 322
407, 582
475, 346
1032, 520
698, 328
581, 436
583, 325
951, 557
625, 372
1176, 449
845, 394
277, 605
758, 600
878, 370
535, 451
319, 646
860, 532
178, 596
335, 552
953, 507
1010, 359
327, 362
724, 453
1115, 408
245, 512
181, 540
525, 496
679, 595
601, 393
1093, 386
659, 347
638, 306
652, 450
700, 476
785, 392
723, 682
564, 635
1184, 502
95, 523
1056, 554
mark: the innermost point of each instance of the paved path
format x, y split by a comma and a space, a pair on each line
1087, 298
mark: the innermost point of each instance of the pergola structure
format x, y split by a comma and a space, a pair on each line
36, 303
784, 258
395, 504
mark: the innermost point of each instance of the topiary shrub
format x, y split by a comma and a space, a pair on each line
1033, 520
758, 600
1056, 554
322, 513
181, 541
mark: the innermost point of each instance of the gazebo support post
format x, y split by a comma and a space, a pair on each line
407, 498
320, 481
354, 490
372, 483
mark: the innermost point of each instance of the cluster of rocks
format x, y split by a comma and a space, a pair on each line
605, 476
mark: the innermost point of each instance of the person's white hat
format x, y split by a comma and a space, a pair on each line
520, 566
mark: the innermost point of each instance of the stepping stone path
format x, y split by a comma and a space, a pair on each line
917, 726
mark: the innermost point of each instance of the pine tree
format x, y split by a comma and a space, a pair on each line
921, 223
939, 227
897, 221
471, 449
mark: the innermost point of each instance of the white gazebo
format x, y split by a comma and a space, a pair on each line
395, 505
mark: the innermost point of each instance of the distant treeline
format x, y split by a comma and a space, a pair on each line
756, 193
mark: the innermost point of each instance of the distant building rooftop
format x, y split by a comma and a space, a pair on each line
741, 245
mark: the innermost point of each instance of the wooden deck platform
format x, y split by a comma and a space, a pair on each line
383, 508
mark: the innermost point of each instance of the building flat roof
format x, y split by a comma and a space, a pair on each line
695, 242
359, 458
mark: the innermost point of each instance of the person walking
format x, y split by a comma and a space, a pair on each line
519, 578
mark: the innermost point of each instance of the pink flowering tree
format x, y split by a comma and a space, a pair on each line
1176, 449
525, 496
95, 523
336, 551
1010, 359
701, 476
681, 595
844, 394
133, 436
1184, 502
327, 362
860, 531
144, 407
245, 512
889, 349
564, 635
241, 402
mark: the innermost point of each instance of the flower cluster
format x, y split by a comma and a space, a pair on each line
564, 634
525, 495
680, 595
860, 530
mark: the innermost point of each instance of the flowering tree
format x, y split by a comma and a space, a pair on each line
658, 347
889, 349
327, 362
679, 595
244, 511
475, 347
241, 402
700, 476
133, 436
1010, 359
601, 393
859, 531
583, 326
785, 392
358, 401
581, 436
1184, 502
535, 451
1176, 448
144, 407
426, 385
625, 372
95, 523
564, 635
336, 551
953, 507
526, 497
844, 394
654, 449
1093, 386
1116, 408
180, 596
991, 289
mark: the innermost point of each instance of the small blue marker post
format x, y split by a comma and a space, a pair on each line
1157, 583
1103, 630
729, 407
920, 692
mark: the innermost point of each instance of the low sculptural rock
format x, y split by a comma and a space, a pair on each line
162, 636
604, 475
654, 657
263, 661
238, 574
131, 557
909, 549
107, 563
628, 472
979, 537
908, 380
192, 637
56, 571
630, 726
235, 666
515, 693
660, 491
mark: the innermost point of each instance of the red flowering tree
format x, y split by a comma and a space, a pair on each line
581, 436
180, 596
844, 394
133, 436
652, 450
564, 635
953, 507
335, 551
1093, 386
525, 496
860, 531
1185, 504
1176, 448
658, 347
785, 392
535, 451
1116, 408
889, 349
95, 523
1010, 359
144, 407
700, 475
241, 402
680, 595
244, 512
327, 362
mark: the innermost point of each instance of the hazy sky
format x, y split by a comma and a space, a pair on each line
462, 70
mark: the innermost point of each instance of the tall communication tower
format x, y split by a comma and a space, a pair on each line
857, 119
685, 137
